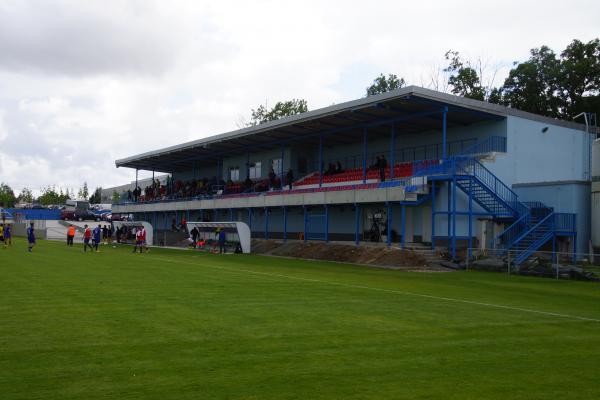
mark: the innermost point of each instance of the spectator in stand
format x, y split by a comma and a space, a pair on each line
290, 178
248, 184
382, 166
272, 177
129, 195
183, 224
375, 165
338, 168
174, 224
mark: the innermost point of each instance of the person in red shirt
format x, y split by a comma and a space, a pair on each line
87, 235
144, 239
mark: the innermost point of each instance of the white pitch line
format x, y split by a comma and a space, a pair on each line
349, 285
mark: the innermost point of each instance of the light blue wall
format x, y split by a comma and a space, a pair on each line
535, 156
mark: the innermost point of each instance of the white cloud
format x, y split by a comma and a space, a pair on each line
85, 83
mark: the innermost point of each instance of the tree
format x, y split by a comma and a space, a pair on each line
579, 78
533, 85
26, 195
116, 198
556, 86
50, 196
280, 110
381, 84
96, 197
83, 193
7, 196
465, 77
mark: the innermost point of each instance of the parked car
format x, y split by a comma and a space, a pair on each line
78, 214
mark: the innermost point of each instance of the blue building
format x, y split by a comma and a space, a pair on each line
460, 173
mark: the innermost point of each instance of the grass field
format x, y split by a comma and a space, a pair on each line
181, 325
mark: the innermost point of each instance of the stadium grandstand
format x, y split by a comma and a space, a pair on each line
410, 165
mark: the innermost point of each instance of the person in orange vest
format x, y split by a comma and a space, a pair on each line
70, 235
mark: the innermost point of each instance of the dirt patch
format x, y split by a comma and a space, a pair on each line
367, 255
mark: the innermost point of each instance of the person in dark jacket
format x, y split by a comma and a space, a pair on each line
382, 167
290, 178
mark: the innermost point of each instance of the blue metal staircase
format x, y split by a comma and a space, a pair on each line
533, 224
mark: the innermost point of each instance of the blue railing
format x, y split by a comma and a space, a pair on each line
419, 153
538, 234
565, 222
489, 145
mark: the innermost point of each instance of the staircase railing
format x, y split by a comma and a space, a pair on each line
541, 233
487, 178
513, 232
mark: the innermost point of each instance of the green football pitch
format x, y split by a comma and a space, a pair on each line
182, 325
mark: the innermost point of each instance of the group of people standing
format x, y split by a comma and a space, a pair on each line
103, 234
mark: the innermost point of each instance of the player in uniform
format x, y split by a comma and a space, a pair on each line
87, 235
144, 238
139, 240
97, 237
30, 237
7, 235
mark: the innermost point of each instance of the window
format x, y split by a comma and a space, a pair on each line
255, 170
276, 165
234, 173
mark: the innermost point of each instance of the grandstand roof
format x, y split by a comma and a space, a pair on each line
410, 109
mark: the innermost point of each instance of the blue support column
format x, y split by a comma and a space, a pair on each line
392, 151
165, 218
433, 215
454, 218
448, 212
266, 223
326, 223
365, 150
553, 249
281, 167
187, 215
357, 222
230, 214
470, 241
305, 223
284, 224
403, 242
444, 112
201, 215
320, 160
389, 224
574, 238
250, 220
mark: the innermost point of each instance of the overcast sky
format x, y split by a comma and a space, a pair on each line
83, 83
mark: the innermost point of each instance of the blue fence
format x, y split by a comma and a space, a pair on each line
43, 214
